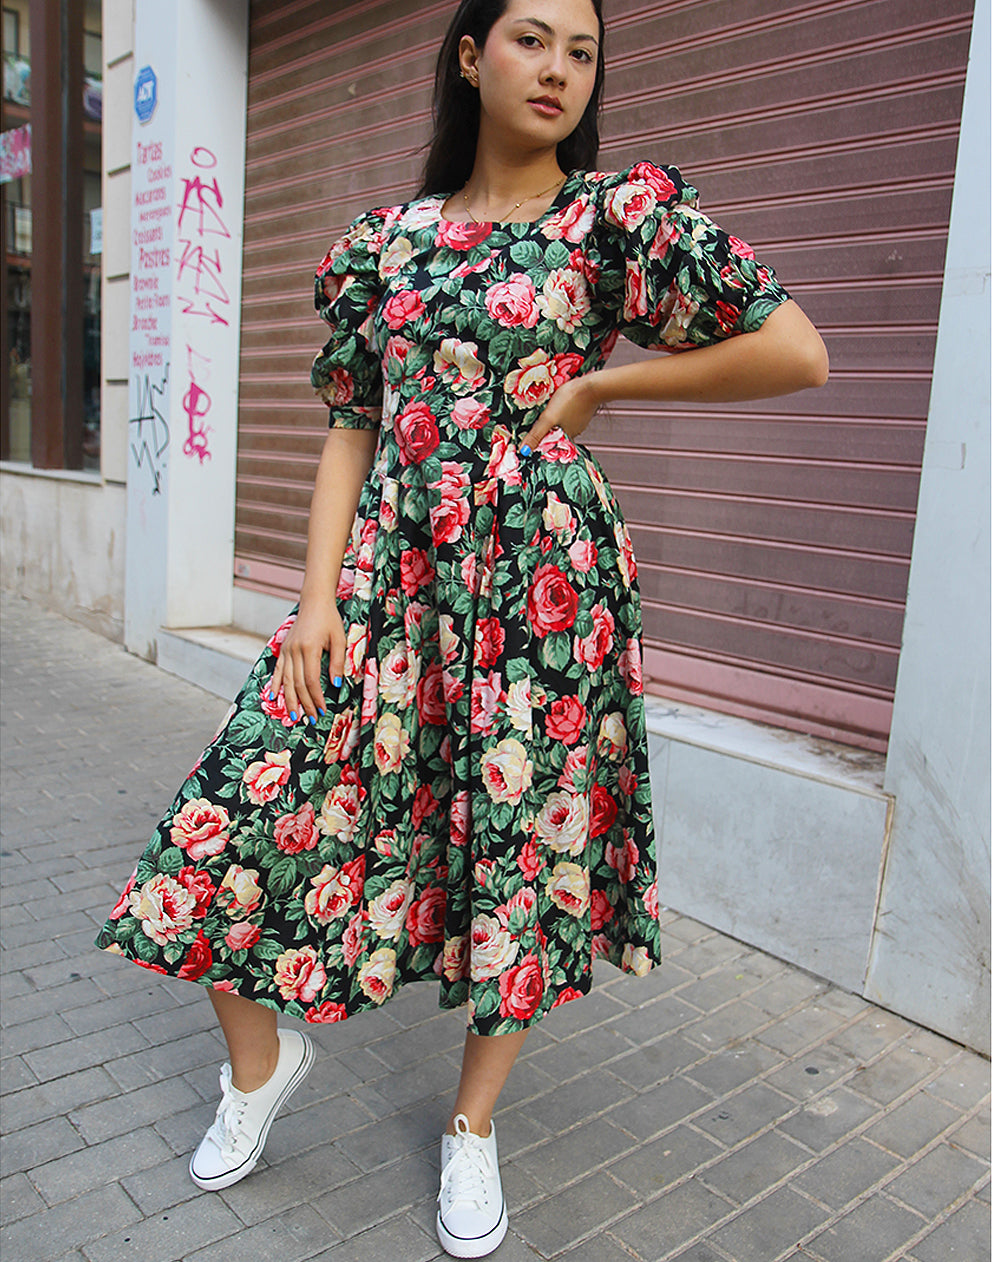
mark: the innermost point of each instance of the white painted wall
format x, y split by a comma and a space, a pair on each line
930, 958
183, 355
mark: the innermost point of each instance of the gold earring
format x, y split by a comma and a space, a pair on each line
472, 78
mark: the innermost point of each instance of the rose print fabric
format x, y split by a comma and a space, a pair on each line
474, 808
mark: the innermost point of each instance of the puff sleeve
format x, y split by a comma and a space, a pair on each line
347, 373
673, 277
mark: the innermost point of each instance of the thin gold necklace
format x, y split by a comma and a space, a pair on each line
516, 206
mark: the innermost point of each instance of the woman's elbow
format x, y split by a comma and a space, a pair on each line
817, 363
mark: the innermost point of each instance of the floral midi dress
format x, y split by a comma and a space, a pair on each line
474, 808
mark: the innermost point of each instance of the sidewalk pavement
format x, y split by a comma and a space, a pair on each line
728, 1106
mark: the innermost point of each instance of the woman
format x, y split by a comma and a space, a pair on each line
438, 768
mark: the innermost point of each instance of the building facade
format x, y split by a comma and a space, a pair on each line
811, 568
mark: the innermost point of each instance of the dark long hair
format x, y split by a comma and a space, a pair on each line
451, 153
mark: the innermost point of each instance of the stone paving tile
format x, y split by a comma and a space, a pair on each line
399, 1240
765, 1230
846, 1173
910, 1125
561, 1219
825, 1120
744, 1112
756, 1167
292, 1236
358, 1205
568, 1157
109, 1075
963, 1237
18, 1198
671, 1220
937, 1180
47, 1236
888, 1226
174, 1234
95, 1166
652, 1167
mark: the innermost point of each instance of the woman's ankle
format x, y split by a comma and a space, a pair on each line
248, 1077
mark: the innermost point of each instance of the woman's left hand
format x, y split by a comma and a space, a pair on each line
570, 408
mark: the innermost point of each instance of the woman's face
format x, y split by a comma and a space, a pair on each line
537, 70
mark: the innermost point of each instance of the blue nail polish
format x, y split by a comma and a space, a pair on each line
525, 450
337, 681
311, 720
292, 715
321, 712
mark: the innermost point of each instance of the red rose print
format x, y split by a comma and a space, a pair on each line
521, 989
489, 641
565, 995
565, 720
600, 910
199, 959
416, 432
529, 861
740, 248
552, 601
462, 236
415, 570
727, 316
200, 886
430, 695
424, 804
425, 918
604, 811
648, 173
326, 1013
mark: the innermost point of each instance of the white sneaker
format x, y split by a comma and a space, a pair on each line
233, 1144
471, 1214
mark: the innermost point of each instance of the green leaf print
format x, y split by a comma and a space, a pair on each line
528, 254
557, 650
578, 485
172, 861
557, 254
247, 727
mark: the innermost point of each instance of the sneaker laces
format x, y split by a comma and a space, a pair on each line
227, 1126
468, 1170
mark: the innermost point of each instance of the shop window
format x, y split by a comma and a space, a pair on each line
51, 121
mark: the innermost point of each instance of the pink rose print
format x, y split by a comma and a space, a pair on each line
572, 222
296, 833
600, 909
655, 178
529, 861
462, 236
201, 829
402, 308
299, 974
242, 936
513, 302
489, 641
740, 248
565, 720
470, 414
200, 886
263, 780
415, 570
592, 648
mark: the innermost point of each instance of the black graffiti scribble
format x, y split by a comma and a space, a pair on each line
150, 441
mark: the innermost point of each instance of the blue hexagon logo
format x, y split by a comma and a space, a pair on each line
145, 94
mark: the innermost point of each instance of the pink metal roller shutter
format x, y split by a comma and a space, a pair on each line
773, 539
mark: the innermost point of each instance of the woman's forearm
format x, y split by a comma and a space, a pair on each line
784, 355
344, 464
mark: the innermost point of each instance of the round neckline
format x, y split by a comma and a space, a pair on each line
496, 224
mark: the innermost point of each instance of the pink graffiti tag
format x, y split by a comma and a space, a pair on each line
196, 404
201, 205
